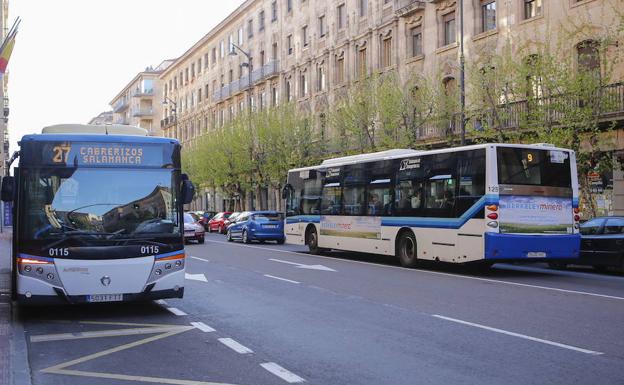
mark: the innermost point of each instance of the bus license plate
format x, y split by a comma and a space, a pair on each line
104, 297
536, 254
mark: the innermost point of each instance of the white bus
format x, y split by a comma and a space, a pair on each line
97, 216
483, 203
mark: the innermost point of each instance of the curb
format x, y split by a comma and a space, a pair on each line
19, 364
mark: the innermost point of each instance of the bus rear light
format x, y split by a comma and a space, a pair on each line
577, 210
577, 218
492, 216
492, 224
492, 207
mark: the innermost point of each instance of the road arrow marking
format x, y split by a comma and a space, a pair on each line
195, 277
303, 266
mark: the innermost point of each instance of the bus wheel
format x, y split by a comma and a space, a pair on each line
312, 241
406, 249
557, 265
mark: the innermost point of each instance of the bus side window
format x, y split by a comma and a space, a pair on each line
331, 200
441, 186
471, 171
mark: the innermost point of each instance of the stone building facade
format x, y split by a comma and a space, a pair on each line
311, 51
5, 154
139, 103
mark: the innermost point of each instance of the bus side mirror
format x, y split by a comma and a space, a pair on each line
7, 192
188, 191
286, 191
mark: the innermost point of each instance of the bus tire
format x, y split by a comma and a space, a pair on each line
311, 239
406, 249
557, 265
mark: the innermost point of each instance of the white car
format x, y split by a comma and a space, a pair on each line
193, 230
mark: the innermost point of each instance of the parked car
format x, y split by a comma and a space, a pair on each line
193, 231
602, 243
216, 223
257, 226
205, 218
229, 220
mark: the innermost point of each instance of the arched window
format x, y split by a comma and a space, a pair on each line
450, 85
588, 56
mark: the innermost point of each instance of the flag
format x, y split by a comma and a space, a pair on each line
7, 47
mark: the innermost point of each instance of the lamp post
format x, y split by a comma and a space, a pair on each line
174, 112
249, 65
462, 86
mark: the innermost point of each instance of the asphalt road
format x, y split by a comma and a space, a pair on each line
268, 314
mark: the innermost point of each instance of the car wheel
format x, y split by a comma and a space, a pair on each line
600, 268
229, 236
280, 241
406, 249
209, 229
245, 237
221, 230
557, 265
201, 240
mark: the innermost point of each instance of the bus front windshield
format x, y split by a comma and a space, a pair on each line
102, 204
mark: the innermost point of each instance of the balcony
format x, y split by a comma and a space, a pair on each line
121, 121
407, 7
523, 113
121, 105
168, 121
142, 112
267, 71
138, 93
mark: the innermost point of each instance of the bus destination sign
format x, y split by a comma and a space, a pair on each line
103, 154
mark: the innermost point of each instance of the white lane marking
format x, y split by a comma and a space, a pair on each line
282, 373
281, 279
161, 302
176, 311
238, 348
560, 345
200, 259
435, 272
195, 277
303, 266
203, 327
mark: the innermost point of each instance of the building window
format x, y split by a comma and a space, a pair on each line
417, 41
274, 11
386, 52
261, 21
274, 96
362, 69
288, 91
199, 66
588, 57
222, 49
231, 75
214, 56
240, 36
289, 44
321, 25
320, 78
199, 95
488, 15
250, 28
192, 70
449, 28
186, 75
274, 52
304, 35
532, 8
205, 61
262, 62
206, 91
340, 69
363, 5
342, 16
175, 82
304, 85
230, 42
288, 5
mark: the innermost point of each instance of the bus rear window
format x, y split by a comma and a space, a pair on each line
534, 167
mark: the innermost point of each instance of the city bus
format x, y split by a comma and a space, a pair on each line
483, 203
97, 216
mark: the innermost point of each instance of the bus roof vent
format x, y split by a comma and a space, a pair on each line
396, 153
114, 129
545, 145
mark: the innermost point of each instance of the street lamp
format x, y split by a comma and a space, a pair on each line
462, 86
174, 112
249, 65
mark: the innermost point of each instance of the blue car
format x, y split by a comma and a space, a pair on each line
257, 226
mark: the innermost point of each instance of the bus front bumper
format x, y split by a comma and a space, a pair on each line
60, 298
532, 247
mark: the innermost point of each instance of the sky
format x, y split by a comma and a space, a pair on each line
71, 57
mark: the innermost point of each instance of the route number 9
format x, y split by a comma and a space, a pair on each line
530, 157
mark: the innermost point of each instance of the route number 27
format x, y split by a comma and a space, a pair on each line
61, 153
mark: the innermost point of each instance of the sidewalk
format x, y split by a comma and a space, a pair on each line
5, 307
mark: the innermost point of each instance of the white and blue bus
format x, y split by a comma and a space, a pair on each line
97, 216
483, 203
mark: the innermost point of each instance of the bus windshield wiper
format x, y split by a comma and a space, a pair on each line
73, 234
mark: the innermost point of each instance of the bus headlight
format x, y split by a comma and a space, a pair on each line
44, 270
165, 266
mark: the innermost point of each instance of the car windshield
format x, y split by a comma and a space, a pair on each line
266, 217
189, 218
592, 226
120, 202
